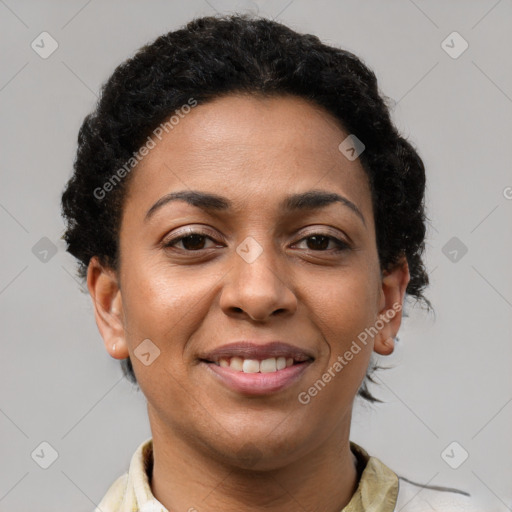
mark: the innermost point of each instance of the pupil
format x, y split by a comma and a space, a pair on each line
185, 241
320, 246
317, 242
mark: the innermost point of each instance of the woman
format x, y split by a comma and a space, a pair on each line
249, 222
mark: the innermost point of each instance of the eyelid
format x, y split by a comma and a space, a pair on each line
339, 242
189, 231
342, 242
326, 231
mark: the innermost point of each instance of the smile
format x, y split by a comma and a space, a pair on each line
257, 378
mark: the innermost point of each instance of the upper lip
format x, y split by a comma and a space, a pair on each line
253, 350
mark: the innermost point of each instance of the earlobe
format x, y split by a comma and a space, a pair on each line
384, 346
108, 311
393, 286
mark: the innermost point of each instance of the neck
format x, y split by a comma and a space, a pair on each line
185, 478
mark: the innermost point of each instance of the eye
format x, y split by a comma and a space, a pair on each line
321, 241
192, 241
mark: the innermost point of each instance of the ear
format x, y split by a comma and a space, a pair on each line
393, 286
104, 288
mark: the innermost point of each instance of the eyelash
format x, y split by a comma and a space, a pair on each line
342, 246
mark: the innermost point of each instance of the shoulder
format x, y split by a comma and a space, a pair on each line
131, 491
112, 500
413, 497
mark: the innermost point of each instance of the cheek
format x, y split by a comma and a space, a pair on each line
153, 305
156, 299
159, 307
345, 304
343, 310
165, 305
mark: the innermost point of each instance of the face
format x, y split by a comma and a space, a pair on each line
227, 277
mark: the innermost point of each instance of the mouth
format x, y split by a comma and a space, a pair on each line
248, 365
251, 369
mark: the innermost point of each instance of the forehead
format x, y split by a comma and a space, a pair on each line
251, 147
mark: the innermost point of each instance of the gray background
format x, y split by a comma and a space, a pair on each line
453, 379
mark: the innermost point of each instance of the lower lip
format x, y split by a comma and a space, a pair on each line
258, 383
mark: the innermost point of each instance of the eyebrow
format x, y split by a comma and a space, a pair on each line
310, 200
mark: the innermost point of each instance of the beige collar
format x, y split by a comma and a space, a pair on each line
377, 490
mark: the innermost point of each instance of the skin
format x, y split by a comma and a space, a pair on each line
215, 449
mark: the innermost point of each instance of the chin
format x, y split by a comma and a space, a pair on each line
261, 450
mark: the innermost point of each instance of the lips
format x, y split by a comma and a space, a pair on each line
255, 369
260, 352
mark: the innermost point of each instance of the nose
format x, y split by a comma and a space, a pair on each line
257, 288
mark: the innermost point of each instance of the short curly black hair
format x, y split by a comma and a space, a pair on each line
216, 56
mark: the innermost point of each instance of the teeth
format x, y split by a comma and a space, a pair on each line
281, 363
269, 365
251, 366
236, 363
